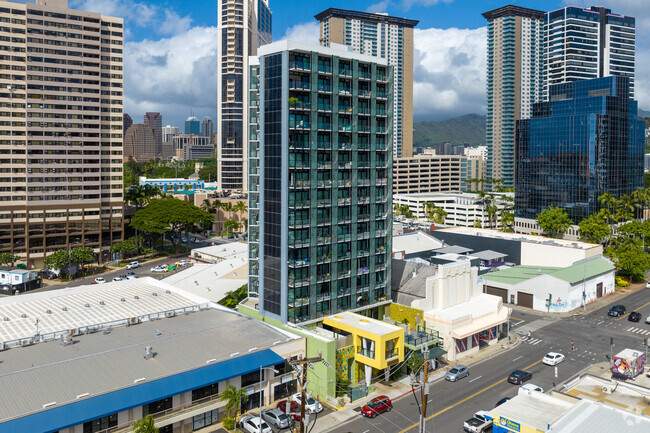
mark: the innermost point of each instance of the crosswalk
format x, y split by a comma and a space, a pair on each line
531, 341
639, 331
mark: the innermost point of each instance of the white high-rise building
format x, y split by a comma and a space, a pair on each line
61, 137
169, 132
244, 25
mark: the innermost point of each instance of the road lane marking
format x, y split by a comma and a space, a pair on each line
476, 378
517, 318
440, 412
630, 329
636, 309
517, 358
599, 322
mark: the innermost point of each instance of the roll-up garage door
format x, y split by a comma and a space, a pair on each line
525, 299
498, 292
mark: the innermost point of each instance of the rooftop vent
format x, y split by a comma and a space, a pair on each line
87, 305
148, 352
123, 300
48, 311
168, 292
6, 319
136, 297
24, 316
155, 294
66, 339
64, 308
102, 303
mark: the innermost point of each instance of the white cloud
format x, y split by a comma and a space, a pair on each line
306, 32
172, 75
174, 24
449, 72
408, 3
378, 7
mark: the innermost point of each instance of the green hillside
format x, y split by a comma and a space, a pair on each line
469, 128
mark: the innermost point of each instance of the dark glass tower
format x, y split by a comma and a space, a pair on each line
585, 142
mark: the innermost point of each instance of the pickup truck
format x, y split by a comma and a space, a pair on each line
481, 422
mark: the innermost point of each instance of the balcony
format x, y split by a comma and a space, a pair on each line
344, 201
299, 204
324, 126
299, 105
321, 240
345, 108
322, 278
299, 85
300, 66
324, 259
345, 128
294, 264
345, 165
324, 145
391, 354
301, 125
366, 352
324, 183
346, 72
417, 338
299, 184
298, 282
324, 107
363, 217
324, 203
365, 75
326, 88
345, 146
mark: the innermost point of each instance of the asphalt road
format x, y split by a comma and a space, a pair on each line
452, 403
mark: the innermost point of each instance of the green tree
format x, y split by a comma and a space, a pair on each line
145, 425
477, 223
82, 255
59, 259
139, 196
439, 215
8, 258
507, 220
233, 399
230, 226
594, 229
169, 215
630, 259
208, 172
554, 221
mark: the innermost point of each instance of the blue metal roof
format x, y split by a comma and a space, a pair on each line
72, 414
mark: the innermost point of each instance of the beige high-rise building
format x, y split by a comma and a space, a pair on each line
429, 173
61, 135
139, 143
390, 38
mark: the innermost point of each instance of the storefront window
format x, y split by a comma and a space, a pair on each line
205, 419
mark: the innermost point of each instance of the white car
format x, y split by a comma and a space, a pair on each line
116, 279
252, 424
312, 405
183, 262
132, 265
529, 388
553, 358
100, 280
130, 277
159, 269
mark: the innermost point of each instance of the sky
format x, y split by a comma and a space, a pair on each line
170, 49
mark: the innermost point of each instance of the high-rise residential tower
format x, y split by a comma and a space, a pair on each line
585, 142
61, 146
139, 143
206, 127
192, 126
589, 43
386, 37
169, 132
243, 26
154, 121
320, 198
514, 82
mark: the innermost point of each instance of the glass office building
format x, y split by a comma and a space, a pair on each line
320, 174
584, 142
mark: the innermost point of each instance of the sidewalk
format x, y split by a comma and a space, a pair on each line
402, 387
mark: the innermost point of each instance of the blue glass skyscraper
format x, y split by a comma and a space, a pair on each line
192, 126
584, 142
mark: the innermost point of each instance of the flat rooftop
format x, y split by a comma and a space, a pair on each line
358, 321
537, 410
496, 234
228, 250
592, 417
415, 242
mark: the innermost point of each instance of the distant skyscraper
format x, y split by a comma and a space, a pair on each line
588, 43
386, 37
320, 208
127, 121
139, 143
61, 182
168, 132
514, 82
154, 121
206, 127
243, 26
192, 126
585, 142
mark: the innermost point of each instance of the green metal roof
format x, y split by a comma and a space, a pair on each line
183, 192
573, 274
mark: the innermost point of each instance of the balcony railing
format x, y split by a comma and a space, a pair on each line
391, 354
416, 338
366, 352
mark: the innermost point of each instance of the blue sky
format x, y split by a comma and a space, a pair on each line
170, 49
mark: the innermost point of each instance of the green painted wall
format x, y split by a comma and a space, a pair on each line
400, 312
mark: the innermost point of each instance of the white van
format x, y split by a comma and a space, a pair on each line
529, 388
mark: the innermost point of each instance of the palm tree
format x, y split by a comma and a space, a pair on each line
233, 398
145, 425
206, 205
216, 206
439, 215
240, 207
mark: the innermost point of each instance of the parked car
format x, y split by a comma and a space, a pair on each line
529, 388
312, 405
647, 285
553, 358
294, 409
100, 280
44, 273
183, 262
156, 269
252, 424
457, 373
616, 311
518, 377
276, 418
376, 406
132, 265
500, 402
116, 279
130, 276
479, 423
647, 319
634, 316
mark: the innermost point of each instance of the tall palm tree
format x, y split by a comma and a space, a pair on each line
217, 205
206, 205
145, 425
233, 398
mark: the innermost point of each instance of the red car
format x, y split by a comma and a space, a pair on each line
376, 406
294, 411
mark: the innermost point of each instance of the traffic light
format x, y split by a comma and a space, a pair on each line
611, 341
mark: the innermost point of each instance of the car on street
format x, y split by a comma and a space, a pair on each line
518, 377
100, 280
634, 316
553, 358
116, 279
252, 424
129, 276
647, 285
294, 409
500, 402
457, 373
49, 275
156, 269
276, 418
133, 265
183, 262
647, 319
376, 406
312, 405
529, 388
479, 423
616, 311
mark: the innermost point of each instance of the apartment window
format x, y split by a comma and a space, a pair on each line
100, 424
206, 391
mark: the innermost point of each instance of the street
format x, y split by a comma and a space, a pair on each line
451, 403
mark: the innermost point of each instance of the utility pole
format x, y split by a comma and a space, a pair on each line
425, 392
301, 365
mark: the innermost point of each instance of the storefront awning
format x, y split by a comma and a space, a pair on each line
481, 324
436, 351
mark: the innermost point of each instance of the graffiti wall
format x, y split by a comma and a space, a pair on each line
628, 367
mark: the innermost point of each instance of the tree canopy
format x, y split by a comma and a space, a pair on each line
145, 425
140, 195
594, 229
554, 221
169, 215
59, 259
82, 255
8, 259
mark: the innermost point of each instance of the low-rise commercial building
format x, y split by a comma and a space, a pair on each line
553, 289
